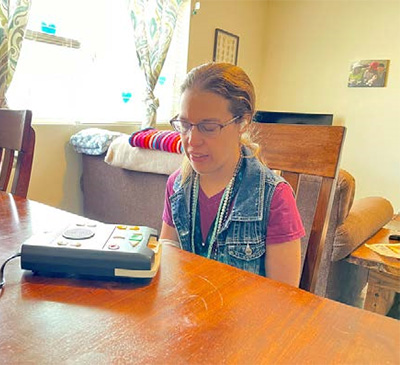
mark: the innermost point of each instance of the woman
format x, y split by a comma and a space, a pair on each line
223, 203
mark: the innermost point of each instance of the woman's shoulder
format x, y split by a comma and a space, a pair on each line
171, 180
255, 167
174, 175
283, 191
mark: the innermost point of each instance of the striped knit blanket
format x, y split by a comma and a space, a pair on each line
154, 139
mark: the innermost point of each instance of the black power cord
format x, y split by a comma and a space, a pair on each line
2, 280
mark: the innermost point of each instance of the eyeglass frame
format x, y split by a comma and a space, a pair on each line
220, 125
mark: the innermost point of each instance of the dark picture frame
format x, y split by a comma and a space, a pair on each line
226, 46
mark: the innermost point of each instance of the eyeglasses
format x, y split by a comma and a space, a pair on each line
209, 129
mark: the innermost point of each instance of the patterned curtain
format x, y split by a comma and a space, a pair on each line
13, 20
153, 24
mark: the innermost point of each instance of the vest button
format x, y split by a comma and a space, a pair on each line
248, 250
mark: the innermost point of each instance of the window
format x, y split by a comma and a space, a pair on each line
78, 64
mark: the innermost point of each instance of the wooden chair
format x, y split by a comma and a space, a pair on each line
297, 149
16, 135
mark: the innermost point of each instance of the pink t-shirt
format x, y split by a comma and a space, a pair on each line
284, 219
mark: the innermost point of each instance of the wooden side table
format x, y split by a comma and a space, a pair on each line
383, 272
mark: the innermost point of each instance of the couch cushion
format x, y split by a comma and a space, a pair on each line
345, 190
367, 216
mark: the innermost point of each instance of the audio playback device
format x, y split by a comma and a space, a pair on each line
95, 249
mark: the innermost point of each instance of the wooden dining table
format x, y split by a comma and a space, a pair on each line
194, 311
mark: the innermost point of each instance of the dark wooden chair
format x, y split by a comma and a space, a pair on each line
16, 135
294, 150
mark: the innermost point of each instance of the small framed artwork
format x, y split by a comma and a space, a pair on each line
368, 73
226, 47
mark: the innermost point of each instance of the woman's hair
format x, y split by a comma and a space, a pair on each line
233, 84
226, 80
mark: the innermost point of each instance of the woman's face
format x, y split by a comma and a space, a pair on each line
216, 156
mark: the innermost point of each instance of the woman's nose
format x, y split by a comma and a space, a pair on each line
195, 137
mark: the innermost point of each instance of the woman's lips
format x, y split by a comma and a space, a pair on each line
196, 157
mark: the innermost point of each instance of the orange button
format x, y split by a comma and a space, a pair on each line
152, 245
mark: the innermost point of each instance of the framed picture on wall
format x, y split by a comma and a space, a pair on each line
226, 47
368, 73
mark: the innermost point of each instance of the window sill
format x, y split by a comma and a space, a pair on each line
135, 125
89, 125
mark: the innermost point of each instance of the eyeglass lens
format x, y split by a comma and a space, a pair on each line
205, 128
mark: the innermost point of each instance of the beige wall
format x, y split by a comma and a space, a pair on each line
309, 48
245, 18
298, 55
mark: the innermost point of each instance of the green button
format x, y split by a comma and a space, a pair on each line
136, 237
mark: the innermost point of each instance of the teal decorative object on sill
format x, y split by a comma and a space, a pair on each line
48, 28
126, 96
161, 80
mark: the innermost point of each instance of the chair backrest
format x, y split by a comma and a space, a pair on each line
311, 150
16, 135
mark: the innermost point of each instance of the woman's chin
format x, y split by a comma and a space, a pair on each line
200, 164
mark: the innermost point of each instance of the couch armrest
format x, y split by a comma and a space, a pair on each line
366, 217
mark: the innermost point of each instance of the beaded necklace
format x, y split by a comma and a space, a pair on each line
222, 212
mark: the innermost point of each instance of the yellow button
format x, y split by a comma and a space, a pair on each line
121, 227
135, 228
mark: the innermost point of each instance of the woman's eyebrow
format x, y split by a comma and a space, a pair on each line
205, 120
211, 120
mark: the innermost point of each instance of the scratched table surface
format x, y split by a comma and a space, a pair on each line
195, 311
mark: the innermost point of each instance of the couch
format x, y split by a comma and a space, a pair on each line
118, 195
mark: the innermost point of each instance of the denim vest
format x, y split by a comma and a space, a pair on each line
241, 242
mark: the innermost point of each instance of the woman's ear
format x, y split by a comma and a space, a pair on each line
244, 124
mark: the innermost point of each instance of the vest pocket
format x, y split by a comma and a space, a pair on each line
247, 256
246, 251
